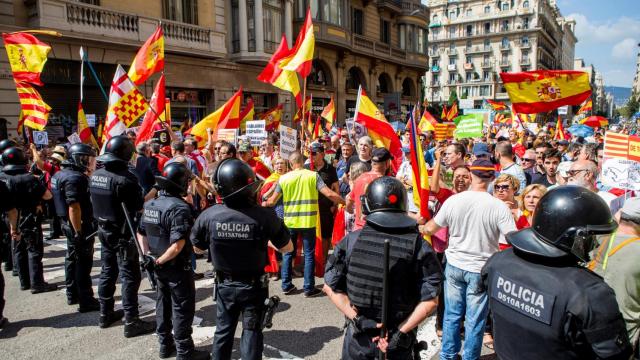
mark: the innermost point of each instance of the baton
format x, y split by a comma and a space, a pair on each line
385, 294
150, 276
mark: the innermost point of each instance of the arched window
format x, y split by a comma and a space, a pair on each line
384, 85
408, 89
320, 74
505, 42
487, 9
525, 4
354, 79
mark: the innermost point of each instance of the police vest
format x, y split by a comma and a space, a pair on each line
300, 199
57, 190
365, 271
237, 245
103, 186
157, 226
21, 185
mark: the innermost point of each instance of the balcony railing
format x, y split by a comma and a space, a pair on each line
525, 45
452, 82
486, 64
451, 67
505, 47
505, 63
434, 53
468, 66
525, 61
435, 69
377, 48
477, 50
453, 52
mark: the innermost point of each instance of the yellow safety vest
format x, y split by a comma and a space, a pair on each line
300, 198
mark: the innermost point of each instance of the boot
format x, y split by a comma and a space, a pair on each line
108, 319
92, 305
167, 351
44, 287
138, 327
195, 355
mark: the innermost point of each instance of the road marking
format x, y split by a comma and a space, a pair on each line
427, 333
62, 243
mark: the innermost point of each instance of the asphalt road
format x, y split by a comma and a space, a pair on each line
43, 326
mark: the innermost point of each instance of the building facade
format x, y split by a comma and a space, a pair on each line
471, 42
636, 79
212, 47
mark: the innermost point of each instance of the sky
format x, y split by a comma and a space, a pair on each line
608, 33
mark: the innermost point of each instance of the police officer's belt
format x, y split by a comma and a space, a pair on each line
247, 279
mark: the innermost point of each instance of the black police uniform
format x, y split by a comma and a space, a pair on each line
6, 250
237, 240
70, 185
166, 220
29, 250
110, 187
6, 204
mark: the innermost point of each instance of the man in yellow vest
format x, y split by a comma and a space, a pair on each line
299, 189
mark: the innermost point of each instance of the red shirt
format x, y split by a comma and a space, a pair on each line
161, 161
358, 190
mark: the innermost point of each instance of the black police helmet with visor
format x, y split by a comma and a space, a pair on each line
385, 204
4, 145
80, 156
235, 182
14, 159
566, 222
174, 179
119, 149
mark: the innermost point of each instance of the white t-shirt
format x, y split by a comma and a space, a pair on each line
476, 221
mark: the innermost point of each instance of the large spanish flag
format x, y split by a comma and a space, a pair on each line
230, 109
381, 132
35, 112
329, 114
419, 167
149, 59
282, 79
545, 90
84, 131
302, 52
303, 111
427, 122
27, 56
453, 112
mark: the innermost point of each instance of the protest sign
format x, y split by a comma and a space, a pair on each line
469, 126
162, 136
465, 103
41, 138
288, 140
228, 135
91, 120
74, 138
357, 129
256, 131
620, 173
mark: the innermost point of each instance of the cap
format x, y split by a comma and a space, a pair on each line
380, 155
57, 156
244, 147
483, 168
631, 210
59, 149
480, 149
316, 147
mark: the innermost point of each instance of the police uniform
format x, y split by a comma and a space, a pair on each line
166, 220
6, 205
237, 240
539, 293
69, 186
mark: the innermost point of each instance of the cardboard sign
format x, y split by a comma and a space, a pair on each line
40, 138
163, 137
91, 120
256, 131
623, 174
358, 129
288, 141
228, 135
465, 103
74, 138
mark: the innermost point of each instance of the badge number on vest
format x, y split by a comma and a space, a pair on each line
526, 300
233, 231
100, 182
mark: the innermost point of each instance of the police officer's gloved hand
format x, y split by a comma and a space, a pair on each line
364, 324
399, 342
78, 239
148, 263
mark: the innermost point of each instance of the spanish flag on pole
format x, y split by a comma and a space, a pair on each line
427, 122
329, 114
230, 109
302, 52
84, 131
240, 122
272, 118
27, 56
35, 112
586, 106
453, 112
149, 59
282, 79
496, 105
378, 128
545, 90
303, 111
559, 135
420, 175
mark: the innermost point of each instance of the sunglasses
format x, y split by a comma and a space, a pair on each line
502, 187
217, 148
575, 172
528, 160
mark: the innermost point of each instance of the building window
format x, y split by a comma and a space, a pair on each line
487, 28
332, 11
91, 2
486, 76
384, 84
357, 21
452, 32
402, 30
505, 26
468, 47
436, 79
434, 19
525, 23
525, 4
487, 9
411, 38
525, 41
320, 74
485, 59
434, 49
469, 13
505, 42
452, 61
314, 5
272, 11
452, 78
469, 76
452, 15
468, 60
434, 63
452, 47
469, 30
385, 31
354, 79
505, 6
407, 87
185, 11
485, 90
422, 41
487, 44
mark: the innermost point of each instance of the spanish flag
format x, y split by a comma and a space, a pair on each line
84, 131
559, 135
27, 56
303, 111
420, 175
497, 105
586, 106
427, 122
272, 118
445, 113
157, 107
35, 112
230, 110
453, 112
302, 52
149, 59
378, 128
545, 90
240, 122
282, 79
329, 114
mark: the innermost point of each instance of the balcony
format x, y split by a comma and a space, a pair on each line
434, 53
89, 22
477, 50
505, 47
525, 61
452, 82
435, 84
371, 47
394, 6
504, 29
435, 69
486, 64
410, 8
453, 52
505, 63
525, 45
468, 66
451, 67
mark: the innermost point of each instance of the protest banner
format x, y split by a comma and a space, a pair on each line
357, 129
91, 120
228, 135
256, 131
74, 138
620, 173
288, 140
41, 138
469, 126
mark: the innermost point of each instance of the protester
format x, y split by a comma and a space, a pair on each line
530, 197
504, 189
551, 160
161, 159
454, 156
584, 173
268, 154
245, 153
178, 152
537, 172
364, 153
146, 167
504, 155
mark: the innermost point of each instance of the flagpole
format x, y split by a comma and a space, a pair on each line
95, 77
304, 104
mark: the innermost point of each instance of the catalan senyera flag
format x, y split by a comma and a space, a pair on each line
302, 53
586, 106
444, 131
149, 59
329, 114
303, 111
126, 105
20, 127
497, 105
545, 90
84, 131
34, 111
453, 112
272, 118
152, 116
420, 175
616, 145
230, 109
381, 132
282, 79
27, 56
559, 135
427, 122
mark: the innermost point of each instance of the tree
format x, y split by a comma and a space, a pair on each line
453, 97
631, 107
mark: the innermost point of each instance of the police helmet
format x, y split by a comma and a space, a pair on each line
175, 178
385, 204
234, 179
79, 155
565, 222
7, 143
14, 159
118, 149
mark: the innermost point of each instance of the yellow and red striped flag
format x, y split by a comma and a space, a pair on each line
27, 56
149, 59
303, 111
545, 90
445, 113
420, 175
427, 122
302, 53
497, 105
84, 131
586, 106
282, 79
230, 109
616, 145
559, 135
35, 112
247, 113
329, 114
453, 112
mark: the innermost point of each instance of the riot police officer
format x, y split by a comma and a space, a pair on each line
236, 233
165, 227
5, 238
539, 293
70, 187
28, 243
8, 208
110, 187
354, 272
